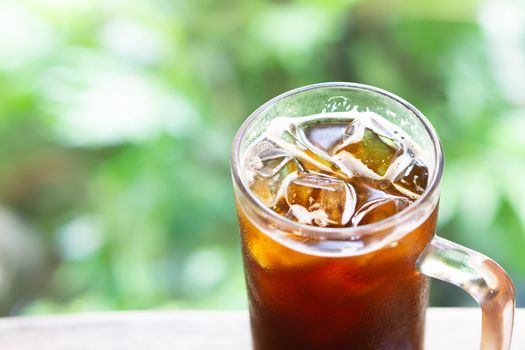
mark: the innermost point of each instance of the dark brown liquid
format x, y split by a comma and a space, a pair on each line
300, 301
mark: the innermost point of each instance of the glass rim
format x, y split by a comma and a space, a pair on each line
340, 232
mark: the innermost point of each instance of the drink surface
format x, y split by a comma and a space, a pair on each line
338, 169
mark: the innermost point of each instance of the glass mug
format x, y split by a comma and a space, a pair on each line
363, 287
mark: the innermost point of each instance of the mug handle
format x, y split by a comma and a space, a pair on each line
480, 277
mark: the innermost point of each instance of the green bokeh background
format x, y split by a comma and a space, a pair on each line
116, 119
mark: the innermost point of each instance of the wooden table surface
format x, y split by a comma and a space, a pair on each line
447, 329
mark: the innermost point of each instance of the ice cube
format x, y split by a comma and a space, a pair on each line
265, 158
304, 216
271, 189
367, 147
268, 169
379, 209
272, 160
287, 134
324, 136
413, 180
320, 199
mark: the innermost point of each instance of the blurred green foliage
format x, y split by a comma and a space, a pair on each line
116, 119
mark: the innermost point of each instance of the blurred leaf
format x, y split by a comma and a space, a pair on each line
116, 119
